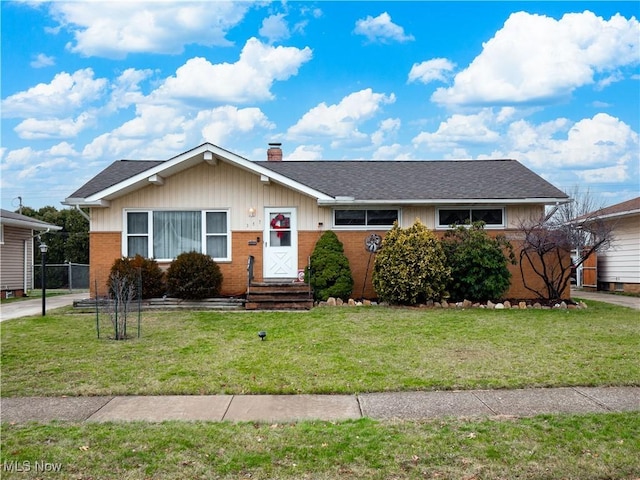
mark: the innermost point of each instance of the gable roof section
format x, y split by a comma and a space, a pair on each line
344, 182
22, 221
122, 177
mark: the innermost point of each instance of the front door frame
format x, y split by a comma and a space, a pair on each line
280, 262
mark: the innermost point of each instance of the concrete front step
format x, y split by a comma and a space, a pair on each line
168, 304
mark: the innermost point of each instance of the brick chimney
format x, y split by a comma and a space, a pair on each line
274, 153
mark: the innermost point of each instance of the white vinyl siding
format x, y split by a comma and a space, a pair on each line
621, 262
165, 234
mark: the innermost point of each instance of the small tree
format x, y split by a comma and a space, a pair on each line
478, 263
194, 275
549, 241
330, 273
121, 292
411, 266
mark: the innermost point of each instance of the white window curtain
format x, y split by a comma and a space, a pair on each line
175, 233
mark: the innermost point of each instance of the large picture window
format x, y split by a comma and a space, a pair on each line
492, 217
365, 218
164, 235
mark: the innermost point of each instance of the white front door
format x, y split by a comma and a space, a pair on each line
280, 243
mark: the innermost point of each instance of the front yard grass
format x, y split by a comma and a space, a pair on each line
326, 350
578, 447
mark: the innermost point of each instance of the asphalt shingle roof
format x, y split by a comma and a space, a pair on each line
115, 173
419, 180
382, 180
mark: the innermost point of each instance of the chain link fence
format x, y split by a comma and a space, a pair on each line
64, 276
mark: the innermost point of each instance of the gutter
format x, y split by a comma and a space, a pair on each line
350, 201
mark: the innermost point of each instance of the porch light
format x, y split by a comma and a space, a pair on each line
252, 212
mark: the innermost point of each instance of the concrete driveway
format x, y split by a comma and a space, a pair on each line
27, 308
620, 300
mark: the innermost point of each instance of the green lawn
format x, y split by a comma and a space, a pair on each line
579, 447
326, 350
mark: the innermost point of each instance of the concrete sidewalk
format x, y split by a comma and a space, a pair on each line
27, 308
292, 408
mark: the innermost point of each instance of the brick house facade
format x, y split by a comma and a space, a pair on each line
215, 201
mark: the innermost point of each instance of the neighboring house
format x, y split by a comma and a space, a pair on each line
618, 267
17, 234
211, 200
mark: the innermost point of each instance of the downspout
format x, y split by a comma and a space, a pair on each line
25, 275
85, 215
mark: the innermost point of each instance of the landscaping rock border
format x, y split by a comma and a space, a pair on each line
467, 304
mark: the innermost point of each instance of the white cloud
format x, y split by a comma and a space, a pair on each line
461, 130
41, 60
515, 66
218, 124
126, 90
275, 28
305, 152
392, 152
388, 128
592, 143
173, 130
381, 29
65, 94
32, 129
249, 79
430, 70
115, 29
340, 121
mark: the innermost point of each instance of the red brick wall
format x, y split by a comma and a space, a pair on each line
105, 248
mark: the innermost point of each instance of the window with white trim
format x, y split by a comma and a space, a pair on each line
365, 218
492, 217
165, 234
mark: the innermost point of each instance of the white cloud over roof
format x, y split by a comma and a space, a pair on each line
248, 79
341, 120
534, 58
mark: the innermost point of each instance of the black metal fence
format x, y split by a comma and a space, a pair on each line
64, 276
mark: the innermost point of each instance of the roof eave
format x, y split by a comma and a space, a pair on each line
350, 201
13, 222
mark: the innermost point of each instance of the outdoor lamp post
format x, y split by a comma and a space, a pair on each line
43, 251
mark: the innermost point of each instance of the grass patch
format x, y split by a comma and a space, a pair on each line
551, 446
326, 350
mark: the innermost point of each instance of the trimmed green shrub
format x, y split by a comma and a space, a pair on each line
193, 276
410, 268
478, 263
330, 274
129, 269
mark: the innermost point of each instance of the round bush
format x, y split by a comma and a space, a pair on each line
411, 266
193, 276
330, 274
478, 263
139, 270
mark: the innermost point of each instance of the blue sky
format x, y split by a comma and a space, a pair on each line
555, 85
